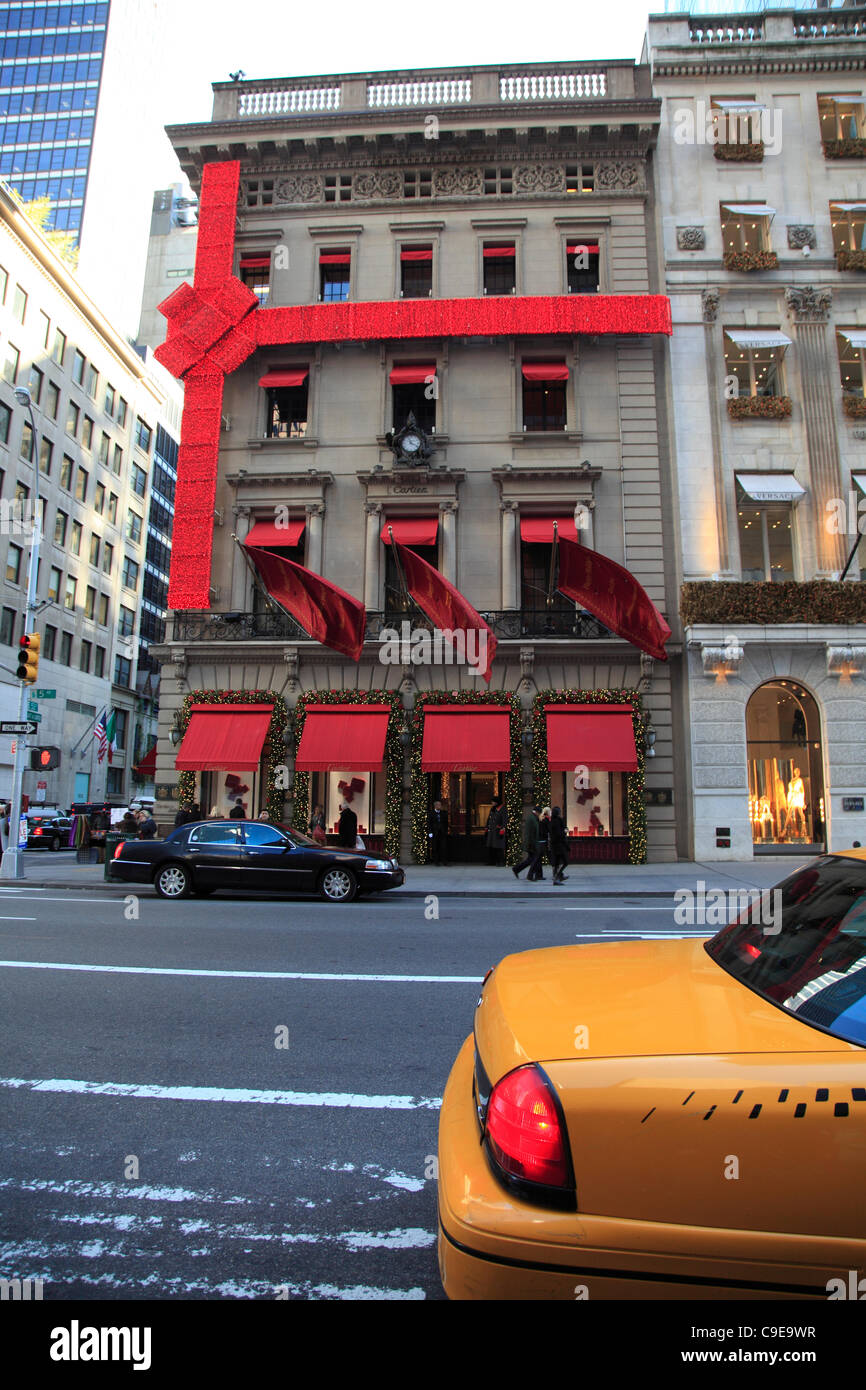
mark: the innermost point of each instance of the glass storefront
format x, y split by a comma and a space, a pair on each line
468, 799
786, 783
362, 791
597, 809
218, 793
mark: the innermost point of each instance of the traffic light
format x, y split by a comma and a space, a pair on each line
44, 759
28, 657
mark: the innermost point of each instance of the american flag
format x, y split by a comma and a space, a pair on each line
101, 737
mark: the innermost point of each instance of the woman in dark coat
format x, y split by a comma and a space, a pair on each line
558, 845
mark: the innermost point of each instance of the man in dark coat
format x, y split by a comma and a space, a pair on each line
192, 813
237, 812
558, 845
530, 843
437, 834
347, 833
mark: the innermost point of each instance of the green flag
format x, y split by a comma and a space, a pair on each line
109, 734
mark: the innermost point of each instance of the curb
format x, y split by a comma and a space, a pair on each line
125, 889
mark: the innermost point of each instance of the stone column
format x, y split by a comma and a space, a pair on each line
715, 371
447, 515
373, 512
240, 587
810, 310
315, 511
510, 577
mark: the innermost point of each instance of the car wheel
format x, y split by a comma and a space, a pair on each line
173, 881
338, 885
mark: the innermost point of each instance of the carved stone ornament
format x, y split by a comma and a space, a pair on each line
300, 188
378, 183
720, 662
808, 305
691, 238
710, 305
539, 178
618, 174
845, 662
458, 182
800, 234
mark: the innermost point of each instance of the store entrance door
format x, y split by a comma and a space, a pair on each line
468, 798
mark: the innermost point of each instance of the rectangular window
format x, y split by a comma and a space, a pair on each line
743, 229
66, 648
255, 273
7, 627
413, 393
66, 468
112, 508
133, 526
73, 415
841, 117
92, 382
848, 222
13, 564
121, 722
95, 542
139, 480
82, 478
55, 579
758, 370
851, 347
87, 432
107, 558
19, 305
130, 573
70, 592
103, 610
85, 657
89, 602
58, 352
25, 448
125, 621
44, 329
535, 586
143, 435
79, 362
110, 399
416, 272
5, 422
736, 120
77, 533
582, 262
35, 384
117, 460
334, 275
99, 666
99, 499
4, 285
122, 674
122, 408
104, 445
52, 401
11, 363
114, 782
49, 643
766, 550
287, 403
46, 453
544, 396
60, 524
499, 260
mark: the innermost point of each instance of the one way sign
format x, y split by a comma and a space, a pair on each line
20, 727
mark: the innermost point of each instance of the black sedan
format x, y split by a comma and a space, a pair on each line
238, 854
49, 832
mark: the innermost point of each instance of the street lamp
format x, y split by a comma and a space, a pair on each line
10, 864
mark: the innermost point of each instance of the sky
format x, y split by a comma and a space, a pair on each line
270, 38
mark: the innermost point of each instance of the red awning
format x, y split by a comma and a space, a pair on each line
408, 254
545, 371
285, 376
466, 738
582, 246
335, 737
268, 534
500, 252
147, 766
414, 530
538, 530
599, 736
255, 262
221, 737
335, 258
412, 376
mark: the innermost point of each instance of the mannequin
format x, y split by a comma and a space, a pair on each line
796, 800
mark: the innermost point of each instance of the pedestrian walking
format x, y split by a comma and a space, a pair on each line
347, 832
536, 871
4, 826
558, 845
437, 834
146, 826
495, 833
530, 841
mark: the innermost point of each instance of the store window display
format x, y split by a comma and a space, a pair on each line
786, 786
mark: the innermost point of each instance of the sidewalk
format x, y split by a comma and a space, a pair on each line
478, 880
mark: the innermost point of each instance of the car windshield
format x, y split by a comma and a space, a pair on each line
297, 835
810, 956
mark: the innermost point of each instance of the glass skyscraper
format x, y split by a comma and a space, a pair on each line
50, 71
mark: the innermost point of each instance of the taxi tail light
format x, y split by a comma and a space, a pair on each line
525, 1130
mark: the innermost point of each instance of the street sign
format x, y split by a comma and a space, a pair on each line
34, 718
18, 726
32, 708
45, 694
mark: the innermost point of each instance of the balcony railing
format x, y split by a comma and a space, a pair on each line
507, 624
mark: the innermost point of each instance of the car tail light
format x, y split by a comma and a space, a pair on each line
38, 832
525, 1131
118, 848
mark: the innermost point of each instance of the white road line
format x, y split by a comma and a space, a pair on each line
642, 936
19, 897
17, 919
241, 974
668, 908
331, 1100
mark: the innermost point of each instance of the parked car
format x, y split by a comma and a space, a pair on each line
48, 832
207, 855
667, 1119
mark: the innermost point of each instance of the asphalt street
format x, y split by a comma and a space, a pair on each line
239, 1098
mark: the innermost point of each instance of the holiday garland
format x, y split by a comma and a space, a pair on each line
759, 407
637, 849
393, 757
813, 601
273, 741
512, 799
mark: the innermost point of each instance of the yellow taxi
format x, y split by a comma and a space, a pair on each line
675, 1119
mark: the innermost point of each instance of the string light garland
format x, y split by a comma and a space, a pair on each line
635, 802
393, 757
274, 795
512, 779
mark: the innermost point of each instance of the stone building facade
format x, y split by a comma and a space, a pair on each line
761, 195
508, 214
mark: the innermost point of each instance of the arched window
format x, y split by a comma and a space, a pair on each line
786, 783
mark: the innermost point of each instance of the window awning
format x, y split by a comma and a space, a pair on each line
288, 376
409, 253
538, 530
848, 96
590, 246
466, 738
739, 105
757, 337
222, 737
255, 262
855, 336
848, 207
335, 258
771, 487
411, 530
750, 209
335, 737
599, 736
268, 534
412, 376
544, 371
498, 252
147, 766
